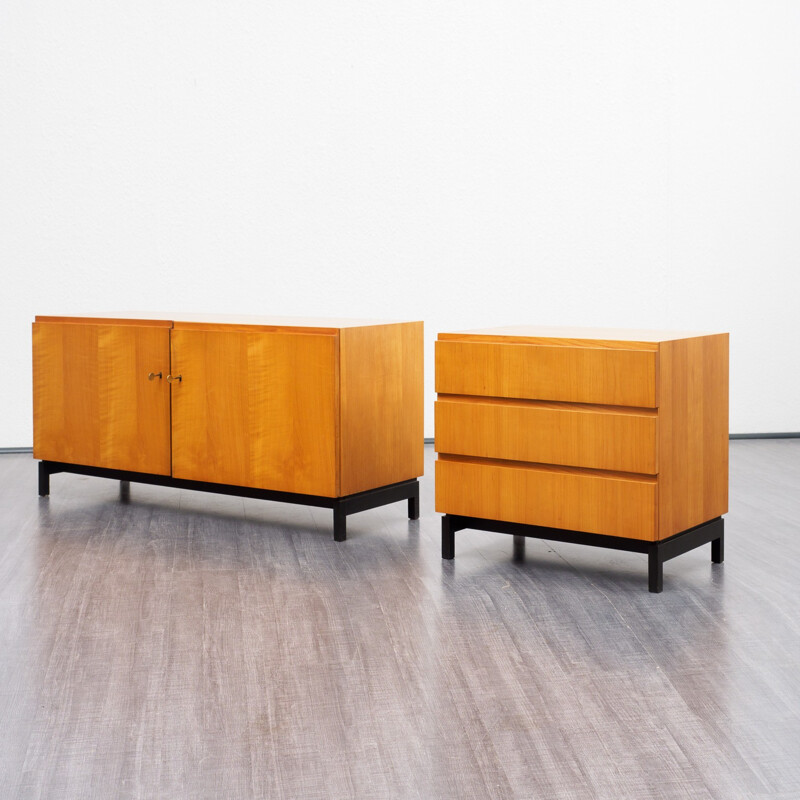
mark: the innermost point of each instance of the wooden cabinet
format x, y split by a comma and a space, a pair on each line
621, 437
325, 412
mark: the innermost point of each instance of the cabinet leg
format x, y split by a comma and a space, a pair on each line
44, 480
655, 570
413, 506
448, 538
339, 525
124, 491
519, 548
718, 549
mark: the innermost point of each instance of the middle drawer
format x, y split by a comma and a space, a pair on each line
594, 437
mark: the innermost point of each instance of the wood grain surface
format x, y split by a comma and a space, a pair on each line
187, 645
615, 504
92, 400
253, 401
572, 335
680, 435
140, 320
256, 409
693, 432
381, 412
597, 437
193, 321
542, 372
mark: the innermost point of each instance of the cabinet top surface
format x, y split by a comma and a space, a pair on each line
567, 335
169, 320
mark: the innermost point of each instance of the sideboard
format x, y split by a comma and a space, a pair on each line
313, 411
612, 438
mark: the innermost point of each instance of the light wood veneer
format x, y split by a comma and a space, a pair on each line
323, 407
608, 433
540, 372
256, 409
597, 437
92, 401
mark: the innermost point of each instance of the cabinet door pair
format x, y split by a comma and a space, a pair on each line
252, 408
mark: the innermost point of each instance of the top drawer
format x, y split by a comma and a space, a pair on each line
544, 372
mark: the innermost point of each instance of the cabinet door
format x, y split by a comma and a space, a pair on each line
255, 408
93, 403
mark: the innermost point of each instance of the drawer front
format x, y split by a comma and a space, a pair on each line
589, 502
542, 372
576, 436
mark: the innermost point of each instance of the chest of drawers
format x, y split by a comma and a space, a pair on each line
612, 438
313, 411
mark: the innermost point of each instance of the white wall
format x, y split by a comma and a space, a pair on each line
631, 164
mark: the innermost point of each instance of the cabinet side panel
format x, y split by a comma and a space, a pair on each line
693, 432
255, 409
382, 437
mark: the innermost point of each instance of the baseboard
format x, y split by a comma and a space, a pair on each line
779, 435
4, 450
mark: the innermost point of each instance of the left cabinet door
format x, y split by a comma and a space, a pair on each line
93, 400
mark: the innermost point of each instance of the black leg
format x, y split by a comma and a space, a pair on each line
655, 569
718, 549
519, 548
448, 538
413, 505
339, 525
44, 480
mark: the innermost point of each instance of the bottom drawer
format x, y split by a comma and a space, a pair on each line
555, 497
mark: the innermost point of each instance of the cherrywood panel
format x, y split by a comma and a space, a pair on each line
575, 435
615, 505
693, 432
541, 372
224, 326
573, 335
100, 319
92, 401
266, 322
382, 432
256, 409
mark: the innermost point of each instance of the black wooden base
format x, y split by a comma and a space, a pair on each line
657, 552
342, 507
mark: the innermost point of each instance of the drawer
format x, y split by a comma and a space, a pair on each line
547, 372
605, 503
596, 437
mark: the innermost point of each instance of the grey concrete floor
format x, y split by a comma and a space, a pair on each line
190, 645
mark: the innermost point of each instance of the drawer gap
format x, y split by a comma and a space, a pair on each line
594, 408
529, 465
